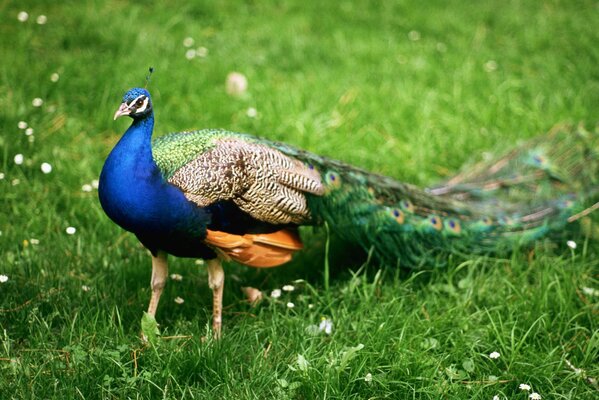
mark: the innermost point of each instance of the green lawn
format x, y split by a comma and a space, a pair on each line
405, 88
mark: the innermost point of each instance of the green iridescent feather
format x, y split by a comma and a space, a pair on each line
489, 207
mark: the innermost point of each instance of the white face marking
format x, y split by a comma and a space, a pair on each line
143, 107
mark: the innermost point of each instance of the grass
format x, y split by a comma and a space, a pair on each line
406, 89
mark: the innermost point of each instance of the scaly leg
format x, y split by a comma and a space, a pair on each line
216, 281
159, 275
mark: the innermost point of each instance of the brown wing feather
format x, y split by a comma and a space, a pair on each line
262, 181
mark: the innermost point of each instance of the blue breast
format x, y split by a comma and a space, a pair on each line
134, 194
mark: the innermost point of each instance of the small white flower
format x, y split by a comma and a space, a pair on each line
54, 77
490, 66
29, 131
70, 230
275, 294
179, 300
290, 305
524, 386
414, 36
571, 244
252, 112
494, 355
590, 291
37, 102
310, 306
199, 261
15, 182
368, 377
2, 175
85, 288
86, 188
326, 325
188, 42
3, 278
95, 183
176, 277
288, 288
201, 52
34, 241
534, 396
190, 54
236, 83
22, 125
46, 168
23, 16
19, 159
495, 397
41, 20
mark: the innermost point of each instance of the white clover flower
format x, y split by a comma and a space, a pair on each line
15, 182
95, 183
41, 20
29, 131
22, 125
524, 386
275, 294
54, 77
326, 325
590, 291
288, 288
414, 36
251, 112
19, 159
494, 355
34, 241
3, 278
179, 300
37, 102
190, 54
236, 83
46, 168
495, 397
310, 306
2, 175
368, 377
490, 66
176, 277
290, 305
23, 16
85, 288
534, 396
188, 42
70, 230
86, 188
201, 52
571, 244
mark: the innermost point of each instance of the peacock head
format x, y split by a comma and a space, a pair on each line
136, 104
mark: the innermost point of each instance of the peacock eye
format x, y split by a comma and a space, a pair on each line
139, 102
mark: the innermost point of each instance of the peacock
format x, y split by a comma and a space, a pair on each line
219, 195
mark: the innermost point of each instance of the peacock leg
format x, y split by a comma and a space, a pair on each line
159, 275
216, 281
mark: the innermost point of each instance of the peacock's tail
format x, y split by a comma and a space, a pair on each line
534, 190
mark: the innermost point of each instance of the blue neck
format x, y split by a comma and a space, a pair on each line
135, 195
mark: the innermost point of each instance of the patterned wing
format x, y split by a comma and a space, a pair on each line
262, 181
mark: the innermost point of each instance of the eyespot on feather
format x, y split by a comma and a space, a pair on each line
398, 215
435, 221
332, 179
407, 206
453, 225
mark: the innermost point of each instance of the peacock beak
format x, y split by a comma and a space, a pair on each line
123, 110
